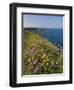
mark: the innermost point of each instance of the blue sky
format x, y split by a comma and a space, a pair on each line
42, 21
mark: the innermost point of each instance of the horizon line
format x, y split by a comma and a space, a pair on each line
43, 27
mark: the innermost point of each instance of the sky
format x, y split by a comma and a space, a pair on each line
42, 21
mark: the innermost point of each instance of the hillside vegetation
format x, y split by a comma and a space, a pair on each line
40, 56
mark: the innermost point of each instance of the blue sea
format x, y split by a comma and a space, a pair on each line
53, 35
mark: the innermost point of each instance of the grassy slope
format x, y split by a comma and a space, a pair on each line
40, 56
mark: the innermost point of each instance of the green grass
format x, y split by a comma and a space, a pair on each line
40, 56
